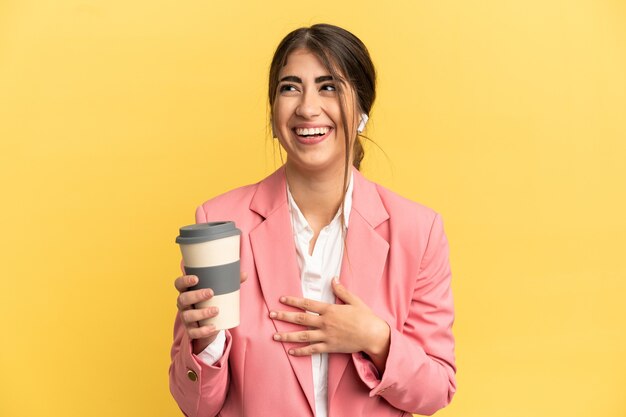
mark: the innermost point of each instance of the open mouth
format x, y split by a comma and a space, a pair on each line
312, 132
311, 135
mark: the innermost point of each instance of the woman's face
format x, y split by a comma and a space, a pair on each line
307, 116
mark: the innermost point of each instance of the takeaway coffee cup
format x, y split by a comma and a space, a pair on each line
211, 252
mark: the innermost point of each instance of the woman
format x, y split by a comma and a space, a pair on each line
377, 341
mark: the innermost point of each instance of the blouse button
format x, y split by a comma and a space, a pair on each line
192, 375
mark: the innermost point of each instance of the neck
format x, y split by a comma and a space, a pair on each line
318, 195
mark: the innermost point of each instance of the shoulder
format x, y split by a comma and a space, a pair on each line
247, 203
400, 208
398, 205
231, 205
411, 227
402, 222
238, 197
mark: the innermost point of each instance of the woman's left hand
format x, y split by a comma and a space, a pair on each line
345, 328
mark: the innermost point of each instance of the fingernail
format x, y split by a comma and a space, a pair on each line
277, 337
215, 310
208, 293
336, 280
283, 299
273, 314
291, 351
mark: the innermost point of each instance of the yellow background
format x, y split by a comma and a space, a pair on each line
118, 118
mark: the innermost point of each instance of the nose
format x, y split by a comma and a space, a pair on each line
309, 105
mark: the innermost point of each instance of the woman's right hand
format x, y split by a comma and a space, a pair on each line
201, 336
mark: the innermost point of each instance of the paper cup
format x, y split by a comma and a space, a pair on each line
211, 252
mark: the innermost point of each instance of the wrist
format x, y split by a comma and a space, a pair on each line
378, 348
198, 345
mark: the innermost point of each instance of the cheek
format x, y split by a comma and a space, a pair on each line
279, 123
280, 115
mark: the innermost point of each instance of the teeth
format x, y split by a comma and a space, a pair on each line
312, 131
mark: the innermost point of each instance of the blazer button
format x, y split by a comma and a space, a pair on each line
192, 375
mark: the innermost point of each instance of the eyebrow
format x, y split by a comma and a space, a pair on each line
295, 79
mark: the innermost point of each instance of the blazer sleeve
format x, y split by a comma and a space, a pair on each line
198, 388
419, 375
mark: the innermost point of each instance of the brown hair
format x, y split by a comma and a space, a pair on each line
346, 58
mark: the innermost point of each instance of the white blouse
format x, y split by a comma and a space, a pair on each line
316, 273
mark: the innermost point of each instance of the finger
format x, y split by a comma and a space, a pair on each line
189, 298
202, 332
194, 315
305, 304
306, 336
343, 294
304, 319
243, 277
184, 282
309, 350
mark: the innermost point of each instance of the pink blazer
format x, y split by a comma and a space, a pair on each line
396, 260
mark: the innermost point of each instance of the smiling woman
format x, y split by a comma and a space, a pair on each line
347, 307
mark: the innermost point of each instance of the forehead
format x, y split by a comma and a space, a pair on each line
303, 62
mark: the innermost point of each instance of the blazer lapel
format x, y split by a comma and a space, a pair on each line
363, 260
274, 252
